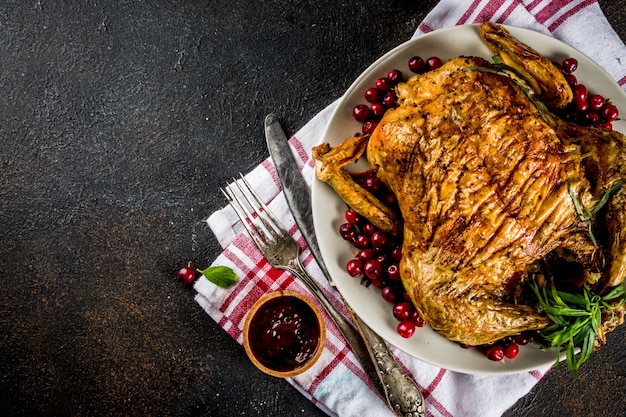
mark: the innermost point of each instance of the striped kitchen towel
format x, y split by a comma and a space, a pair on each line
337, 383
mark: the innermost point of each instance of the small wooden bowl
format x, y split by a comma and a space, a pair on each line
270, 338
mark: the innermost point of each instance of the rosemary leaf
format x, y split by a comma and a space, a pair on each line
605, 198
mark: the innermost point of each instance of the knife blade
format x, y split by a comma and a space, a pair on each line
295, 188
400, 391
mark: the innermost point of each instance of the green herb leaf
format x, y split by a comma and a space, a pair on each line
222, 276
576, 318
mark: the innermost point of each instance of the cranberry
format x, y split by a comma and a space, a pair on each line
581, 106
569, 65
353, 217
606, 125
368, 228
402, 310
580, 93
495, 353
396, 253
361, 241
368, 127
361, 112
347, 231
610, 112
596, 102
389, 99
187, 274
571, 79
383, 84
417, 319
377, 110
365, 255
591, 117
393, 272
522, 339
434, 62
372, 184
511, 350
377, 282
395, 76
372, 269
373, 95
417, 64
388, 294
406, 328
383, 259
354, 267
379, 240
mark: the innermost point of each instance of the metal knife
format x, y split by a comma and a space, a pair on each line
401, 392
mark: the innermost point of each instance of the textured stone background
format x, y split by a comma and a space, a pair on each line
119, 120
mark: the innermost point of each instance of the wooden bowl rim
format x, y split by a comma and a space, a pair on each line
320, 345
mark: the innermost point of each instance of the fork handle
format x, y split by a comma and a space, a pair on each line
400, 391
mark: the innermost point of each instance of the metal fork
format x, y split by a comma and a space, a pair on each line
282, 252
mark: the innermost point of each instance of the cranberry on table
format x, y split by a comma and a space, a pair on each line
187, 274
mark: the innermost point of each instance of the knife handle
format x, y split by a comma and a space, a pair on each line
400, 391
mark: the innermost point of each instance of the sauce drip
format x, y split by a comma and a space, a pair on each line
284, 333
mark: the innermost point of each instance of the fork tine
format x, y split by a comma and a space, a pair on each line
274, 223
247, 222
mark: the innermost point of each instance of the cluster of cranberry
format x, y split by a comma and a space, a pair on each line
587, 109
382, 96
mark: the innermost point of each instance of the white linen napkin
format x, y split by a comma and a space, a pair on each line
337, 383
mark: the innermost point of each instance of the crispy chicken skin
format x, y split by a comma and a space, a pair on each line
486, 184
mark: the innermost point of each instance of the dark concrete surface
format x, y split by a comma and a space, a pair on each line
119, 120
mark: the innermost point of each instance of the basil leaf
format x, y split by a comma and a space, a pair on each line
222, 276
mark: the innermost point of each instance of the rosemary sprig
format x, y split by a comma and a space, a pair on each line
576, 318
585, 214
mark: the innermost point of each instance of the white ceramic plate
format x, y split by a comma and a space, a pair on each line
328, 208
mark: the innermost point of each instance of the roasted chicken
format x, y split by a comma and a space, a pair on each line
489, 182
